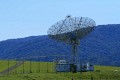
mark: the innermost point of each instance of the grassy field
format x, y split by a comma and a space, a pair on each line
4, 64
45, 71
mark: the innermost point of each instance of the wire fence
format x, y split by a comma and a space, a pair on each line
44, 68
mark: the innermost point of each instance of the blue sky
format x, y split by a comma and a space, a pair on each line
22, 18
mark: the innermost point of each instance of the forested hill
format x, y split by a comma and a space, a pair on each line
102, 46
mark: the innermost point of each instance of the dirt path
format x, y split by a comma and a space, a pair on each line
11, 68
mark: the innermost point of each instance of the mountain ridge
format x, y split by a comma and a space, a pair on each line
102, 46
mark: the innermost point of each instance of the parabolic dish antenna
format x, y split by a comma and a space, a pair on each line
71, 27
71, 30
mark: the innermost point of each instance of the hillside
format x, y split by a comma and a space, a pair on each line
102, 46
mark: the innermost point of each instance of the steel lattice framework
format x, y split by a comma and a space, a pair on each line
71, 30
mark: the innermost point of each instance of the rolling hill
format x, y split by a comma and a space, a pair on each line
102, 46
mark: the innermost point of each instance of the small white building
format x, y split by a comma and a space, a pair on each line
64, 66
90, 67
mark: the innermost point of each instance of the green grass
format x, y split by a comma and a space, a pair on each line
4, 64
45, 71
107, 68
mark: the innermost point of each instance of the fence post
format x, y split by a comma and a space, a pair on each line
23, 67
30, 66
8, 67
16, 67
